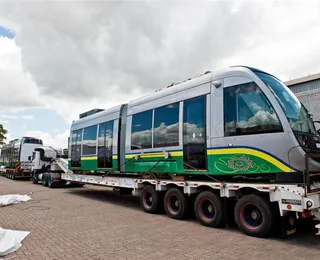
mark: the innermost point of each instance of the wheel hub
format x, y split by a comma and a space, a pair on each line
255, 215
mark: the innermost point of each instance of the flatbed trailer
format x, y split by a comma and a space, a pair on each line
21, 171
259, 202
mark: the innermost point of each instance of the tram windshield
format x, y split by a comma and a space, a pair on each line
296, 113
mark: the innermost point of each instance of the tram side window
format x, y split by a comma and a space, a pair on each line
76, 138
248, 111
141, 130
105, 138
89, 143
166, 126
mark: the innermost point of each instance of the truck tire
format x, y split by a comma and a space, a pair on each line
209, 209
150, 199
254, 215
50, 184
44, 180
176, 204
34, 178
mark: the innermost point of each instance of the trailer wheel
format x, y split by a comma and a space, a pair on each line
209, 209
150, 199
44, 180
175, 203
254, 215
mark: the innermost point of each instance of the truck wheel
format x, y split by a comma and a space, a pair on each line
44, 180
254, 215
209, 209
150, 199
34, 179
175, 204
50, 184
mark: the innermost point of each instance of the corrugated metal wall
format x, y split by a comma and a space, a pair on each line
309, 94
306, 86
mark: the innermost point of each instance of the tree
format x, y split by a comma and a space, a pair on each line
3, 133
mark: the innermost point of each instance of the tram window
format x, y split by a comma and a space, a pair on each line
248, 111
105, 138
141, 131
76, 148
166, 126
89, 143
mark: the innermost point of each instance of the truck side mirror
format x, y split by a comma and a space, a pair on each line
29, 158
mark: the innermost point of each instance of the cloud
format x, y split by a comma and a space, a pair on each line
8, 116
29, 117
18, 90
59, 140
104, 53
120, 50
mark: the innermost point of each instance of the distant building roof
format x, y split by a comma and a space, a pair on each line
302, 80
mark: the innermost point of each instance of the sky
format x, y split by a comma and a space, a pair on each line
61, 58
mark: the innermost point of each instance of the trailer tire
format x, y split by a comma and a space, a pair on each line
176, 204
44, 181
254, 215
209, 209
150, 199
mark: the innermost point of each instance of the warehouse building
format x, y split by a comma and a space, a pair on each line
307, 89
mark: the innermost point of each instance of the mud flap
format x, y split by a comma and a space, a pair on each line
289, 225
318, 231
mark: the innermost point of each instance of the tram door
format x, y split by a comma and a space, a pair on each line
194, 134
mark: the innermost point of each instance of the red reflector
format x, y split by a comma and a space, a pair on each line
217, 185
265, 188
306, 214
235, 186
181, 183
195, 184
289, 207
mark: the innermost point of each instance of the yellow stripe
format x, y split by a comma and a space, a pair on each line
93, 158
153, 155
89, 158
253, 152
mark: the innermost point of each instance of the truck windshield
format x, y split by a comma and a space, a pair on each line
29, 140
296, 113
